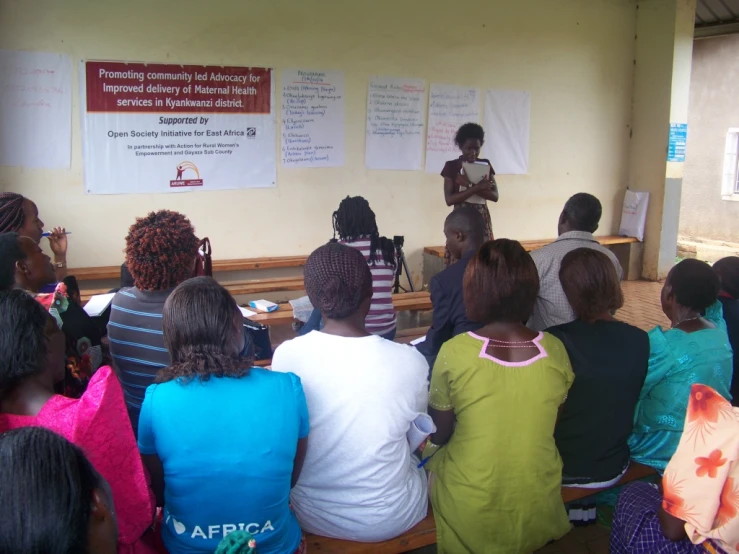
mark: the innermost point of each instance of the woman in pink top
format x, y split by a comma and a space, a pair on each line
355, 224
31, 361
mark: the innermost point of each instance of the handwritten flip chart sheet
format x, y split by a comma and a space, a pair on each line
507, 123
450, 107
395, 109
313, 110
35, 109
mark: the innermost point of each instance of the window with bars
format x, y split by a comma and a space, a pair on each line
730, 182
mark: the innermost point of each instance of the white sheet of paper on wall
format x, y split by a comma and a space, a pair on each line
35, 109
395, 128
507, 123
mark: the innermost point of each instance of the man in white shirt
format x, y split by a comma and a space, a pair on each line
359, 480
577, 223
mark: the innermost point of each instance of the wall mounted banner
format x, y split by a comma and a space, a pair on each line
163, 128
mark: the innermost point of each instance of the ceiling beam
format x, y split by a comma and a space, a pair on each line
716, 30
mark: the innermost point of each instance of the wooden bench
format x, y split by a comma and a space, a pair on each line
245, 264
403, 337
424, 534
402, 302
433, 256
529, 245
251, 286
636, 471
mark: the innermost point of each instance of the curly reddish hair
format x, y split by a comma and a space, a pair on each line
161, 250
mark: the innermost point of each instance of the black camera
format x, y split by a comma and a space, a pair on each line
398, 241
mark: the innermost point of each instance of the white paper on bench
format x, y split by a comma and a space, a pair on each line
421, 427
419, 340
98, 304
246, 313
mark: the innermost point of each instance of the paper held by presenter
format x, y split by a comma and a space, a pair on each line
476, 172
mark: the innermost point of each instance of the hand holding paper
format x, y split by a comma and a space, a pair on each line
421, 428
98, 304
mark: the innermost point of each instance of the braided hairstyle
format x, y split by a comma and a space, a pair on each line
198, 324
161, 250
48, 487
10, 253
11, 212
23, 342
337, 280
355, 220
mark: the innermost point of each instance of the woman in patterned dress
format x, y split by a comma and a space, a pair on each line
696, 510
458, 191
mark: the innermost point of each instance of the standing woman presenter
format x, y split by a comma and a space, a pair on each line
458, 190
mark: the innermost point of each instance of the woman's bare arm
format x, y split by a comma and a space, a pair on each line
156, 471
672, 527
299, 459
490, 190
454, 198
444, 421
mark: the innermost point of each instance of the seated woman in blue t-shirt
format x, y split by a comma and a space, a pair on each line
224, 443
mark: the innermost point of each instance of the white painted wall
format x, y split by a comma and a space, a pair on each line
574, 56
704, 215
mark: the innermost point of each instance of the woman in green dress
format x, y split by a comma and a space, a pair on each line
495, 470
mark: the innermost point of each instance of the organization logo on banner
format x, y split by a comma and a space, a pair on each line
251, 132
184, 172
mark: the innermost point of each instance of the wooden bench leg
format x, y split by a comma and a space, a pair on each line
630, 256
431, 266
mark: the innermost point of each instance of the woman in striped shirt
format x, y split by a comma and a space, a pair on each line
355, 225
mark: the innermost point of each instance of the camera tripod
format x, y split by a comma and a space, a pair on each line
400, 264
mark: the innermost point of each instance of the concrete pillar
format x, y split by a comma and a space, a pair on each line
662, 65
